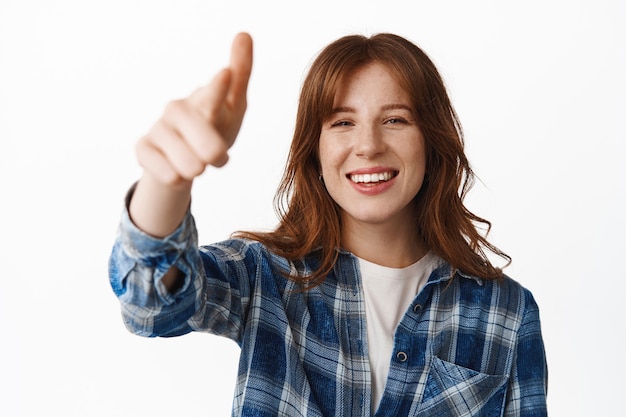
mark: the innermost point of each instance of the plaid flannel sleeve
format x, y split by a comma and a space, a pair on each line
529, 377
137, 265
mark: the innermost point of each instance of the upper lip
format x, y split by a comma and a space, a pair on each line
371, 170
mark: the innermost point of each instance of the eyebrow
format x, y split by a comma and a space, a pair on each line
394, 106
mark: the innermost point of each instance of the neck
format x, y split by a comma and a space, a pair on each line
392, 245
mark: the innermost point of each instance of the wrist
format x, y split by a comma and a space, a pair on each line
156, 208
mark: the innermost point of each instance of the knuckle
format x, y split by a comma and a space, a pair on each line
141, 147
216, 153
219, 157
207, 154
174, 108
192, 169
154, 134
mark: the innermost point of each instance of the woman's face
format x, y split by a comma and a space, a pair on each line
371, 150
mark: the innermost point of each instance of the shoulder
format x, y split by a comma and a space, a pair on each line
254, 254
235, 250
508, 290
235, 247
504, 296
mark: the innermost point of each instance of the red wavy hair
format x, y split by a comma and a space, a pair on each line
310, 221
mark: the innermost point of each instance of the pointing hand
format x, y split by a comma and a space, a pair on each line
199, 130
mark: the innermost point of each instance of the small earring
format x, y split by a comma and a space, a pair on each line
320, 178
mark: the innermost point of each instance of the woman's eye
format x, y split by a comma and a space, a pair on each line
341, 123
395, 120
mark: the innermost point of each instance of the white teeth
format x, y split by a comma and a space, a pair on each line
370, 178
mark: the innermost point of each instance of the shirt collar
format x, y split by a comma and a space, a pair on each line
442, 274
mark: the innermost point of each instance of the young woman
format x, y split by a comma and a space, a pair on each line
374, 295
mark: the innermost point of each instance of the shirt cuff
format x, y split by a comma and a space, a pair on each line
140, 245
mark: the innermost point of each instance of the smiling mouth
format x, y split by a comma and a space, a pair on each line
372, 178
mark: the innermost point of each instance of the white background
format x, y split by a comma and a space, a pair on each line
539, 87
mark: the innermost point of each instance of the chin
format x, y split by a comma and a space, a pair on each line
371, 217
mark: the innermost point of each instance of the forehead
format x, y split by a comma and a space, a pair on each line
373, 80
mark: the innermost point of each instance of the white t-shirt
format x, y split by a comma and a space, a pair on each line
388, 293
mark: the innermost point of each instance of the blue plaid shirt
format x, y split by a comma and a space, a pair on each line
464, 347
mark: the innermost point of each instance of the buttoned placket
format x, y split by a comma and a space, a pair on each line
409, 349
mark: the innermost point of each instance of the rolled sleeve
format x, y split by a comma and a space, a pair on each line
137, 265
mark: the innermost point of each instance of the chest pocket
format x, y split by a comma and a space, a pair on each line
452, 390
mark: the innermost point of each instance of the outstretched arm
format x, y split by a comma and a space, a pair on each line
193, 133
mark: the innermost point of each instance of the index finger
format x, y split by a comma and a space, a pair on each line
240, 66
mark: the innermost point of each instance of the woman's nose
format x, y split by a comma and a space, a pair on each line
369, 143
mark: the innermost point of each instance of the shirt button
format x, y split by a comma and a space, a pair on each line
417, 308
401, 356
